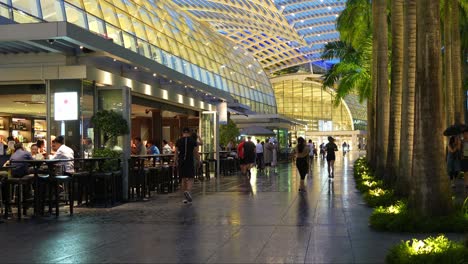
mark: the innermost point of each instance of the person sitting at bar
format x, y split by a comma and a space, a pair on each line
166, 148
151, 148
35, 153
20, 169
140, 149
63, 152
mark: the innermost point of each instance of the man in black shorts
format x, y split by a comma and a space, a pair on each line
184, 158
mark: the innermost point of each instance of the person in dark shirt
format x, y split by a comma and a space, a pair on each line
331, 147
20, 169
249, 155
185, 150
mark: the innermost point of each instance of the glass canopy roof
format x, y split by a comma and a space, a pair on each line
279, 33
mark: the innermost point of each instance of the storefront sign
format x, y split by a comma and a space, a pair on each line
66, 106
222, 111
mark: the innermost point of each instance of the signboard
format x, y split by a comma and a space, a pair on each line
66, 106
223, 115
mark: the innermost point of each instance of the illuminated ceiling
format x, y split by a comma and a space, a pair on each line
279, 33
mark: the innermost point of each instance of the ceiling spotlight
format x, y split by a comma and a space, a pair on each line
135, 68
154, 74
81, 47
114, 60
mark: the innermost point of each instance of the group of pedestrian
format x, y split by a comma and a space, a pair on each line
266, 153
303, 153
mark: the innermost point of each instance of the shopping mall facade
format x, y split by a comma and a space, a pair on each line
162, 66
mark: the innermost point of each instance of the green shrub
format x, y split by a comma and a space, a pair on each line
108, 165
430, 250
397, 218
379, 197
393, 215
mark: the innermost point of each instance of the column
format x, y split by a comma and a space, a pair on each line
156, 115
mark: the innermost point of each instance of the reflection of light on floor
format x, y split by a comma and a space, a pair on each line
253, 180
345, 175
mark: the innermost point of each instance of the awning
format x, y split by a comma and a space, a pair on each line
257, 131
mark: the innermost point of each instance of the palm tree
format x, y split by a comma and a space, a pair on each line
430, 193
407, 111
449, 92
382, 99
456, 59
396, 89
352, 73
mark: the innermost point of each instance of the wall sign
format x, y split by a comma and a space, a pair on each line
66, 106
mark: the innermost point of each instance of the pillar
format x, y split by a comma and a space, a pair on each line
157, 124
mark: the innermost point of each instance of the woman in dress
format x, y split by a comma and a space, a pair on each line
302, 155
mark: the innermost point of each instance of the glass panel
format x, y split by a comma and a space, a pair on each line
27, 6
129, 41
74, 15
4, 12
21, 17
125, 22
92, 6
139, 29
115, 34
52, 10
109, 14
96, 25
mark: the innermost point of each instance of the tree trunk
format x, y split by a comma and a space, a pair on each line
373, 135
449, 95
407, 118
430, 193
456, 63
391, 173
383, 94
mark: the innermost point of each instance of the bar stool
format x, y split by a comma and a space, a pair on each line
19, 183
54, 183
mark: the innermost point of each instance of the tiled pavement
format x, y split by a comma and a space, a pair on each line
232, 220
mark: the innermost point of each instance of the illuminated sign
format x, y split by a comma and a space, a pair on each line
66, 106
222, 111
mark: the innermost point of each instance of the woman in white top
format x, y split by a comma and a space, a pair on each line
35, 152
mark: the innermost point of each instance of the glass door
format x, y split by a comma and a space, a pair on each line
209, 130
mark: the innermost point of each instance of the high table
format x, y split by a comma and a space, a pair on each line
36, 164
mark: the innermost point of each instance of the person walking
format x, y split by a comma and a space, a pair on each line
259, 152
345, 148
311, 153
249, 155
322, 150
453, 158
464, 157
185, 150
274, 156
331, 147
268, 153
302, 156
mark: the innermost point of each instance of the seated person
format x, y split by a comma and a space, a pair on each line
166, 148
35, 153
151, 148
20, 169
63, 152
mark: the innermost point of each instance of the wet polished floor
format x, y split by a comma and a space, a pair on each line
232, 220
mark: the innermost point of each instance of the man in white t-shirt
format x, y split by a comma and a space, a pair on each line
63, 152
259, 151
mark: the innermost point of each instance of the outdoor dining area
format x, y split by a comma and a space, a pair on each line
50, 190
